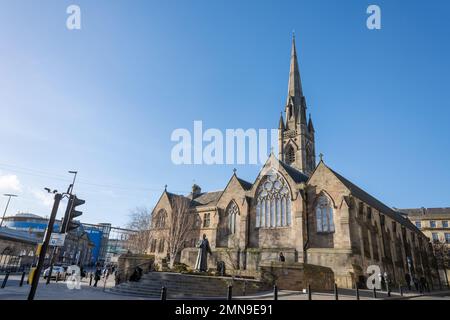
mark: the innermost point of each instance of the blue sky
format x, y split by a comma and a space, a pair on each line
105, 99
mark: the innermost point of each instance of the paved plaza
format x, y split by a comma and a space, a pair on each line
60, 291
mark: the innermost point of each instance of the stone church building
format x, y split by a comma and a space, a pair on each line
299, 207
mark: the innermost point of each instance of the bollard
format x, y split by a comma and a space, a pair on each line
400, 289
357, 293
49, 276
309, 292
336, 294
389, 292
275, 292
230, 293
90, 280
21, 279
5, 279
374, 292
50, 272
57, 277
163, 293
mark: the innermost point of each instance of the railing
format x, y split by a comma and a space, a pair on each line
13, 264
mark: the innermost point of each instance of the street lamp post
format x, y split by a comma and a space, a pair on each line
7, 204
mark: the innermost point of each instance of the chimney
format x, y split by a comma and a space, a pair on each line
196, 191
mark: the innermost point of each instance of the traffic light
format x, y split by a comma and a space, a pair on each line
68, 223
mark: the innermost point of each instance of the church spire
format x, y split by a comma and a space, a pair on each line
296, 141
295, 84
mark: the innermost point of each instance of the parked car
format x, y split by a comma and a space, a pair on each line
55, 271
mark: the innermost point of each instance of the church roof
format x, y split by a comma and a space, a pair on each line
373, 202
295, 174
207, 198
245, 184
203, 199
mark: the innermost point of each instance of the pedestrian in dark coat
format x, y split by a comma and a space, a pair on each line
97, 276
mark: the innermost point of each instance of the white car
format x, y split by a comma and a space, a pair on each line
55, 271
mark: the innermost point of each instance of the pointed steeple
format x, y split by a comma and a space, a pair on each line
310, 124
295, 84
296, 125
281, 123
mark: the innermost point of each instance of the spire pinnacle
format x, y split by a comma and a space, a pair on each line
310, 124
295, 85
281, 123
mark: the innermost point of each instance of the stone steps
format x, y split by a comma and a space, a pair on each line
185, 286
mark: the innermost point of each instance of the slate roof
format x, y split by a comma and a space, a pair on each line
207, 198
373, 202
245, 184
295, 174
204, 199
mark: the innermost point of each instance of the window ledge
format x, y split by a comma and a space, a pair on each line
325, 232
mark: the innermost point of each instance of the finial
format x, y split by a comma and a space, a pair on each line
321, 156
234, 170
271, 149
165, 187
293, 33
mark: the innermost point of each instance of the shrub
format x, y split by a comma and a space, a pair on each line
180, 267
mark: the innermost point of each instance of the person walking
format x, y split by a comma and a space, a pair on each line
416, 283
408, 281
97, 275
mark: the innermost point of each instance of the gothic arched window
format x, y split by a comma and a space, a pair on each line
232, 213
273, 202
160, 219
324, 215
290, 155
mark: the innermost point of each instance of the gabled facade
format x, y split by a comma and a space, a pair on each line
310, 213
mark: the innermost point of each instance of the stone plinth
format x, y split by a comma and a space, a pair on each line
296, 276
128, 262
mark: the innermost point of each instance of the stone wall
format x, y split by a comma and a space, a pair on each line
128, 262
296, 276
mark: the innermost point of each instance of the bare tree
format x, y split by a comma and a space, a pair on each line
180, 223
139, 222
442, 254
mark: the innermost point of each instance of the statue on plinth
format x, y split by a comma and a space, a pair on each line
202, 257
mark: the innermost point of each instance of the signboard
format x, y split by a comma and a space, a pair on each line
57, 239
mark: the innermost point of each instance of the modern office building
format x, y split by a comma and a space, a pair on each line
78, 246
89, 244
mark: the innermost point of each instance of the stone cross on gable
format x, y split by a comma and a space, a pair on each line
321, 156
